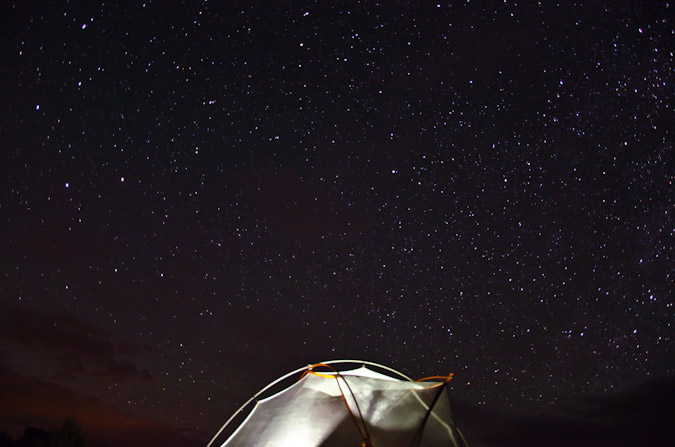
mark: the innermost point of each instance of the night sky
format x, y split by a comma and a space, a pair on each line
198, 197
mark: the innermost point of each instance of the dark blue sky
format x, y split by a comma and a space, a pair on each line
197, 198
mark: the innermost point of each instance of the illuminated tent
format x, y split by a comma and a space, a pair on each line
357, 407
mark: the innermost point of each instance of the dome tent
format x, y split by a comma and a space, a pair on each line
356, 407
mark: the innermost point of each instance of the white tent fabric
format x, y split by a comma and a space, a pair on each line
351, 408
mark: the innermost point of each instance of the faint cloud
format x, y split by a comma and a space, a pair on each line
73, 347
30, 401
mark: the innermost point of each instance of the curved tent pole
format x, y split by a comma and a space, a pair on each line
365, 362
286, 376
418, 436
337, 376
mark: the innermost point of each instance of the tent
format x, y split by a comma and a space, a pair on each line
355, 407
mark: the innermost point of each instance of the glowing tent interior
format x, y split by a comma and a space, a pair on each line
355, 407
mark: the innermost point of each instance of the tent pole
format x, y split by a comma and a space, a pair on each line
253, 398
286, 376
420, 431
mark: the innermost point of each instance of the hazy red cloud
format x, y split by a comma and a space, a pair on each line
29, 401
74, 347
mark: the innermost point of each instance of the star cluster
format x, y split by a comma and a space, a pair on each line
199, 197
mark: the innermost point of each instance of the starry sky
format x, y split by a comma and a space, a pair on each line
198, 197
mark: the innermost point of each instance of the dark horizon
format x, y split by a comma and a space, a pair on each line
637, 415
197, 198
